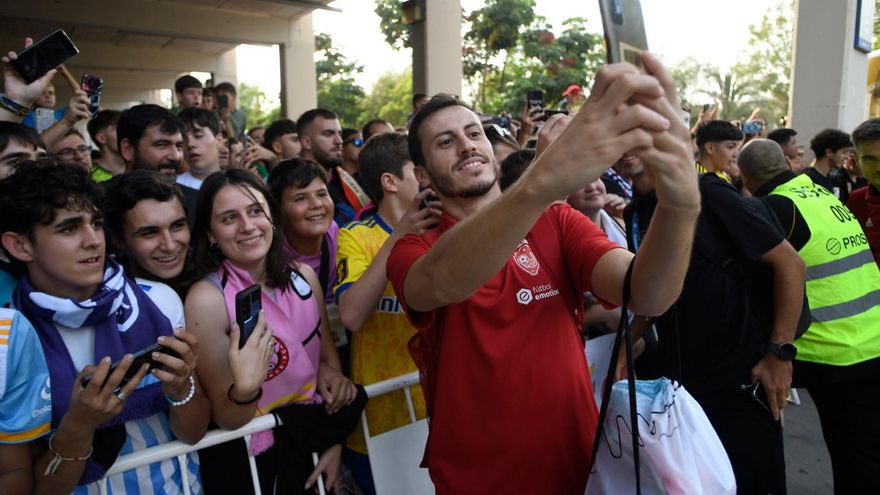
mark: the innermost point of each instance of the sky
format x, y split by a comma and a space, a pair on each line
711, 31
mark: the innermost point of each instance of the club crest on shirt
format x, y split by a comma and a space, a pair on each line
526, 259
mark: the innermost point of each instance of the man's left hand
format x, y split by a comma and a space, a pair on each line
775, 376
175, 371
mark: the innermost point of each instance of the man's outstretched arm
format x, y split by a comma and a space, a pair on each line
660, 267
620, 116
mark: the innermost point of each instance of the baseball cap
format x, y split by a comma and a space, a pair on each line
573, 89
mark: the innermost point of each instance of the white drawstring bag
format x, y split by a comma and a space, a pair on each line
680, 453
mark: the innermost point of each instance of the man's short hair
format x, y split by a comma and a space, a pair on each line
309, 116
782, 135
101, 121
33, 193
514, 165
125, 191
383, 153
206, 91
366, 133
277, 129
829, 139
186, 82
134, 122
868, 130
192, 117
436, 103
226, 88
416, 97
715, 131
295, 172
15, 132
761, 159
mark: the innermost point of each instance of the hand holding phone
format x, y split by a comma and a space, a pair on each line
624, 27
36, 60
141, 358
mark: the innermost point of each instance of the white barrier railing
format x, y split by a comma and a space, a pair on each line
214, 437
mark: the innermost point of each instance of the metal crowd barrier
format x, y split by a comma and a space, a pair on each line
214, 437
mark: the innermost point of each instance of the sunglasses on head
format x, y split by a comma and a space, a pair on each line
357, 142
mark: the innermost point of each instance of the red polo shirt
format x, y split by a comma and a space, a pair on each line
513, 408
865, 205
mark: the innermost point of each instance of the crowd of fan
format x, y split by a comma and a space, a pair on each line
143, 230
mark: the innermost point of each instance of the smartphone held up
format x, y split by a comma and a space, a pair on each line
36, 60
624, 27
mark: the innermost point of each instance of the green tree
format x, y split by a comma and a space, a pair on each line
259, 109
768, 63
737, 95
390, 98
490, 45
337, 89
547, 62
397, 34
876, 25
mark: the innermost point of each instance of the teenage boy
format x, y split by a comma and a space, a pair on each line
832, 148
146, 220
86, 310
280, 142
18, 144
201, 151
102, 129
367, 303
718, 146
189, 93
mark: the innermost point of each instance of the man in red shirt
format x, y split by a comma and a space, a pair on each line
865, 202
493, 288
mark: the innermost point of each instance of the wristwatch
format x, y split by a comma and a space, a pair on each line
785, 351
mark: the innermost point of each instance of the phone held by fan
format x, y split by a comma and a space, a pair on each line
36, 60
624, 27
248, 304
144, 356
93, 87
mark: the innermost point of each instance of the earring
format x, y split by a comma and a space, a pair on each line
213, 245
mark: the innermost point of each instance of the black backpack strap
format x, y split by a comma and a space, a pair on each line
623, 332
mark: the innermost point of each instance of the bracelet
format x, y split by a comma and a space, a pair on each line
58, 459
245, 403
189, 396
13, 106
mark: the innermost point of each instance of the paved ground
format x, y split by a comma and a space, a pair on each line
808, 468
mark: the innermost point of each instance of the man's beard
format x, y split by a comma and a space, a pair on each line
165, 167
328, 160
445, 186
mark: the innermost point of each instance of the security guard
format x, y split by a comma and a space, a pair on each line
838, 357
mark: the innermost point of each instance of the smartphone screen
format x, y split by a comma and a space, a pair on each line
248, 304
624, 30
93, 86
36, 60
535, 99
222, 101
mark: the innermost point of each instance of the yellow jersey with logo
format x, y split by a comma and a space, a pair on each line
379, 349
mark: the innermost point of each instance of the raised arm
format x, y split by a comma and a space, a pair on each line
475, 249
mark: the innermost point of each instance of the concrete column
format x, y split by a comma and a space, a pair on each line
828, 73
437, 49
227, 70
299, 86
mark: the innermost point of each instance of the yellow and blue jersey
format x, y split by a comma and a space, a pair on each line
379, 348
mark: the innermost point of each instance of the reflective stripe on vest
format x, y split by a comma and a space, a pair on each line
843, 282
